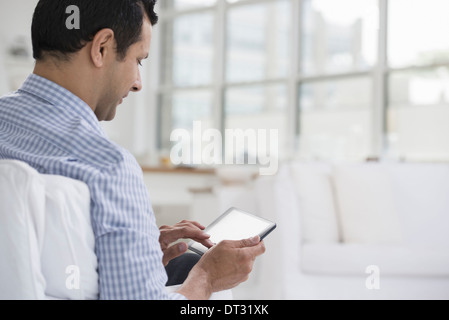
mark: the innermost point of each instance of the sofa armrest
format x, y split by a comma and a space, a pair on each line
277, 201
221, 295
46, 238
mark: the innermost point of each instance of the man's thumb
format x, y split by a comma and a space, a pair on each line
250, 242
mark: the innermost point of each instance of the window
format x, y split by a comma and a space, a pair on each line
258, 41
418, 80
186, 4
257, 67
190, 48
336, 118
339, 43
258, 107
339, 36
338, 79
242, 87
188, 70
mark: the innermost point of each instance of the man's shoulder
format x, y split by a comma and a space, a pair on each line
27, 122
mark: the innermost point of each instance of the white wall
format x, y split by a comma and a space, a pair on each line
15, 20
134, 127
15, 25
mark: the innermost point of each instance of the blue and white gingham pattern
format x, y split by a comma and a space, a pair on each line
57, 133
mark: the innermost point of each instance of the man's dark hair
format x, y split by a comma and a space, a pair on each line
125, 17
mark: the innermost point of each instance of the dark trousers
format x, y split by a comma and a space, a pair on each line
178, 268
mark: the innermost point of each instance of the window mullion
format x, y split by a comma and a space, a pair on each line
219, 65
380, 85
293, 79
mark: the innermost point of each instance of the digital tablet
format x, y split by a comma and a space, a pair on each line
234, 224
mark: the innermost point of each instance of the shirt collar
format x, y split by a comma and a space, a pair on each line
61, 97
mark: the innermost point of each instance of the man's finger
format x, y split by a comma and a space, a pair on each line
205, 242
169, 235
174, 251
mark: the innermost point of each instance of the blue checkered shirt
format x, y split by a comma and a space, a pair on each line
57, 133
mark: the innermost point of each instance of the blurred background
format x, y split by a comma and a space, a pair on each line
341, 80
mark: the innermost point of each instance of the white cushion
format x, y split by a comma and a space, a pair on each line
421, 193
353, 259
316, 202
220, 295
68, 252
366, 205
22, 211
47, 243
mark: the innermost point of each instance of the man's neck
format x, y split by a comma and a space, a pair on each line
68, 76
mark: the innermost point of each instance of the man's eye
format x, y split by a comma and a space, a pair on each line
139, 62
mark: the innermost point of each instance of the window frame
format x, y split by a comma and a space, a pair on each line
379, 73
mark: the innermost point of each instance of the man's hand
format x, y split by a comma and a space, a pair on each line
222, 267
182, 230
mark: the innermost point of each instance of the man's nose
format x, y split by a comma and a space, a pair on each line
137, 86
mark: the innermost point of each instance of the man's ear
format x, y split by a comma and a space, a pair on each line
103, 45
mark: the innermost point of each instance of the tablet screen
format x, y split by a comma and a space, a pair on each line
234, 224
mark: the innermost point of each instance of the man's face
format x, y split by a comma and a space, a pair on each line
123, 77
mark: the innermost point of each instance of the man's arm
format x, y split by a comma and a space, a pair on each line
127, 237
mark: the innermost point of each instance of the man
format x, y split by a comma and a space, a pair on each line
52, 123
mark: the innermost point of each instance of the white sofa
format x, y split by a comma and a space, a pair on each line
46, 238
356, 231
47, 245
